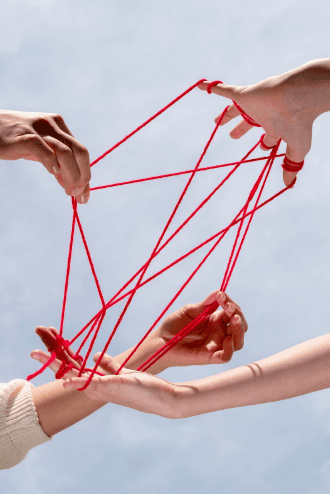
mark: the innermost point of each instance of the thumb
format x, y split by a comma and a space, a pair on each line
107, 363
194, 310
225, 90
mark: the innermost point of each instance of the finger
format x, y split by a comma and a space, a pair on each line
108, 364
194, 310
225, 355
230, 309
231, 113
48, 337
69, 169
295, 153
225, 90
80, 152
81, 156
83, 198
241, 129
269, 141
42, 357
236, 329
60, 123
32, 146
219, 327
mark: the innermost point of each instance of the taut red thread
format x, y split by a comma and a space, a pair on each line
96, 321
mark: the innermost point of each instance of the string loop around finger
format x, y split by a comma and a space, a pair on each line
212, 84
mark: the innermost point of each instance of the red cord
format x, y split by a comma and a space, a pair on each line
292, 166
239, 219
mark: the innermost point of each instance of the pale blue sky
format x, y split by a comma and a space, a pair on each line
106, 66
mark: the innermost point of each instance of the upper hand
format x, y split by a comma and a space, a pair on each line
213, 341
45, 137
285, 106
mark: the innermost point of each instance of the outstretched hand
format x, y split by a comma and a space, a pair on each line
285, 106
133, 389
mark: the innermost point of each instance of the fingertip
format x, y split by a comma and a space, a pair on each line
221, 298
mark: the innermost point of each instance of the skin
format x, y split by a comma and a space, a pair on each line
294, 372
286, 107
45, 137
211, 342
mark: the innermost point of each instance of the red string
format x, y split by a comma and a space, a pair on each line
156, 252
139, 180
96, 321
292, 166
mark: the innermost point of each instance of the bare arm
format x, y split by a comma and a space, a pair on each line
296, 371
59, 408
212, 342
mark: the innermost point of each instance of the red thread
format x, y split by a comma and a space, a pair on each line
210, 86
96, 321
292, 166
246, 117
264, 145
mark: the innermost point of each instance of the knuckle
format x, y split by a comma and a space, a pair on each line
58, 118
81, 149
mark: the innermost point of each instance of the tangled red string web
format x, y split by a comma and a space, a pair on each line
94, 325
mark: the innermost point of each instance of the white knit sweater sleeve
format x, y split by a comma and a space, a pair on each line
20, 429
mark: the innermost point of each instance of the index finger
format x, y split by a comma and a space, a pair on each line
81, 156
225, 90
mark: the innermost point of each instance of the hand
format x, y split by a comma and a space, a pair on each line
285, 106
138, 390
48, 337
45, 137
213, 341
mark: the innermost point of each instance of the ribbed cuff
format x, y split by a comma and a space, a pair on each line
20, 429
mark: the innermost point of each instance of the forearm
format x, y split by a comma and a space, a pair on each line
299, 370
145, 351
59, 408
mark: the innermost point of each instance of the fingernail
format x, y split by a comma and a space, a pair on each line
83, 198
56, 169
222, 297
237, 319
35, 357
75, 192
230, 307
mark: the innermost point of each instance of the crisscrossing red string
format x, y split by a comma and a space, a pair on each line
243, 219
